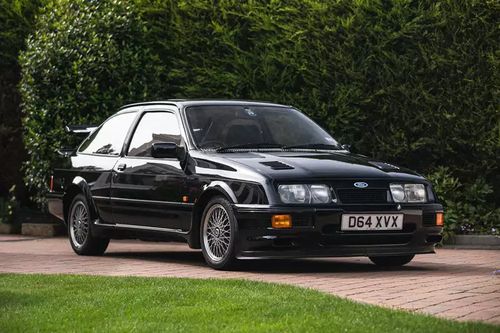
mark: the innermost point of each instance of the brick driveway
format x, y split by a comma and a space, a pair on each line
458, 284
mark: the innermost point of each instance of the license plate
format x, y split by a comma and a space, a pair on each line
372, 222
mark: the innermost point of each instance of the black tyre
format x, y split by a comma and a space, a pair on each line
392, 261
218, 234
80, 229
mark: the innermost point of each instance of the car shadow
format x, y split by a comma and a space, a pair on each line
194, 258
273, 266
331, 265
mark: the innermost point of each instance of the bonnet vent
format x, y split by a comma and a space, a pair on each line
275, 165
384, 166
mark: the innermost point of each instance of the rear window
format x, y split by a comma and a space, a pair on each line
109, 138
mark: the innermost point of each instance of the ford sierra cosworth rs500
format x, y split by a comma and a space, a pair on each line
238, 179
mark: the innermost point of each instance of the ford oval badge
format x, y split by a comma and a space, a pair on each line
361, 184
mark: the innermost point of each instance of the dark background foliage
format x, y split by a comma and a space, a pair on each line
16, 23
410, 82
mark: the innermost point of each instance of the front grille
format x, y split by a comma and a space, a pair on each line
362, 196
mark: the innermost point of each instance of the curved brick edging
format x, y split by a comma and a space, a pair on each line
456, 284
484, 242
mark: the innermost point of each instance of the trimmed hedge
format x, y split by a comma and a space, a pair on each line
83, 62
410, 82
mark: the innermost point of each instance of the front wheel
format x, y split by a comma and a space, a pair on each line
80, 229
219, 230
392, 261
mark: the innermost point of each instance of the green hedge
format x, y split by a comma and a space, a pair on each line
83, 62
410, 82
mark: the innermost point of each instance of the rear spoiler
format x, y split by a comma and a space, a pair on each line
65, 152
80, 129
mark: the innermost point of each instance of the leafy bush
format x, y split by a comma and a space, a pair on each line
410, 82
83, 62
8, 206
467, 207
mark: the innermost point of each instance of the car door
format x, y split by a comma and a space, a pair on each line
146, 192
97, 156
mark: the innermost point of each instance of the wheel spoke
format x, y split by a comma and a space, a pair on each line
79, 224
217, 232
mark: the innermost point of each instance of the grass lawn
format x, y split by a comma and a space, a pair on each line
65, 303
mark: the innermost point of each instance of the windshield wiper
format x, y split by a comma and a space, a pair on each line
314, 146
249, 145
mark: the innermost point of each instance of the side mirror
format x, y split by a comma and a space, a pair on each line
165, 150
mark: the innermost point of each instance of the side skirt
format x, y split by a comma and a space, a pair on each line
128, 231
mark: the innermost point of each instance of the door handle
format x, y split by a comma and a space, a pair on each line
121, 167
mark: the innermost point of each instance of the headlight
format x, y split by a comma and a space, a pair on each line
398, 192
408, 192
305, 194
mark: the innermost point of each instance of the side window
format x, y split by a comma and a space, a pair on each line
154, 127
109, 138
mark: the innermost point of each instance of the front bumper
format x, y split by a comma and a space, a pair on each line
316, 232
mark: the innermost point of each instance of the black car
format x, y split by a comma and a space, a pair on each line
238, 179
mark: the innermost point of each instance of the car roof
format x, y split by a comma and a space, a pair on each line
182, 103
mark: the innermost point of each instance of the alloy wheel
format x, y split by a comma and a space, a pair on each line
79, 224
217, 232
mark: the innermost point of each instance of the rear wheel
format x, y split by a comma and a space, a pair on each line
80, 229
392, 261
218, 234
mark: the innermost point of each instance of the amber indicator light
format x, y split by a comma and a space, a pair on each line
281, 221
440, 219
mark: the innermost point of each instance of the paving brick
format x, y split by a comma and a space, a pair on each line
456, 284
43, 229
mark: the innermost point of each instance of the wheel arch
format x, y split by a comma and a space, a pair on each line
78, 186
213, 190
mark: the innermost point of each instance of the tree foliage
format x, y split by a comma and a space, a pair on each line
410, 82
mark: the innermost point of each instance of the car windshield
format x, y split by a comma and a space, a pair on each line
255, 127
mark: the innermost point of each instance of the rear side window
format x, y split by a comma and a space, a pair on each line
108, 139
154, 127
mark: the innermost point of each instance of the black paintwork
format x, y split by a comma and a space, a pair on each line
141, 197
